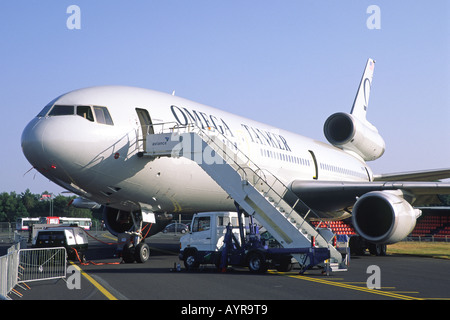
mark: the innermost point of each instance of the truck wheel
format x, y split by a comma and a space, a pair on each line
285, 265
142, 252
190, 260
257, 262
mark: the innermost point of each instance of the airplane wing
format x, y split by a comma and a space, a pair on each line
431, 195
333, 195
426, 175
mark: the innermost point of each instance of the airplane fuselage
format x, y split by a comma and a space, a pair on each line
97, 159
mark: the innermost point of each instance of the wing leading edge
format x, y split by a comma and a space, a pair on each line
424, 175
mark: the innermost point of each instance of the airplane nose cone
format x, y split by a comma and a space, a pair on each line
32, 142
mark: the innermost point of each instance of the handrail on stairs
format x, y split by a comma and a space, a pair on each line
210, 135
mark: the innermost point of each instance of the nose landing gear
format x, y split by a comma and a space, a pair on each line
134, 247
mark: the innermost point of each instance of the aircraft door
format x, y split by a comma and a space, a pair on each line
146, 126
316, 167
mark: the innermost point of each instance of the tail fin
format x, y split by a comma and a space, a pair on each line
359, 109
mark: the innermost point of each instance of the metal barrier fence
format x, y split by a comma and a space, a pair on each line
42, 264
26, 265
8, 270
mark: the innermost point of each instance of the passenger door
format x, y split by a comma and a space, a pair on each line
146, 127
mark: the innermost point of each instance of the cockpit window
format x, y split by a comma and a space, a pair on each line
59, 110
103, 116
49, 105
85, 112
44, 111
101, 113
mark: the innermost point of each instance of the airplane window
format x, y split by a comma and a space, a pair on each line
59, 110
85, 112
103, 116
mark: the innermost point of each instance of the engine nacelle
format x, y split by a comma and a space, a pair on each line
345, 131
384, 217
83, 203
119, 221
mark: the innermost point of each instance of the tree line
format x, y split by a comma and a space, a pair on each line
27, 204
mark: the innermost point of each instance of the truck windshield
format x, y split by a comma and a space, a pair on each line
51, 238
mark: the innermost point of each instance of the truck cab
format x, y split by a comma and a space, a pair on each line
206, 237
208, 230
219, 238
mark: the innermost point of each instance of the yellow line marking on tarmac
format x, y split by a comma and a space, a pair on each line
348, 286
109, 237
95, 283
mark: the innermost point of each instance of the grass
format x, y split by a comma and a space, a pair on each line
427, 249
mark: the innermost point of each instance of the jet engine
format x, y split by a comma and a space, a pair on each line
384, 217
345, 131
119, 221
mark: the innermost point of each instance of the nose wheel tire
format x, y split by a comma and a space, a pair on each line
139, 253
142, 252
128, 253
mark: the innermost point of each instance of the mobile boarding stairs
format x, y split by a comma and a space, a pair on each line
260, 194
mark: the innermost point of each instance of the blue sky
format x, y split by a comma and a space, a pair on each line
287, 63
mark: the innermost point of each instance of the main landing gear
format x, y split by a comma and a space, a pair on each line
358, 246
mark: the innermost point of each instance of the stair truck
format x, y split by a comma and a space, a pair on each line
223, 239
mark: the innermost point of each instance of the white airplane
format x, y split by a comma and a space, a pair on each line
90, 142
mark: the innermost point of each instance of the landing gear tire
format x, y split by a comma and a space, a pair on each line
356, 246
257, 262
128, 253
142, 252
377, 249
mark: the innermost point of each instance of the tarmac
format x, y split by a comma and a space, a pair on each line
393, 277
